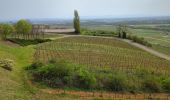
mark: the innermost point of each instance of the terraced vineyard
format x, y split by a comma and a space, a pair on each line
99, 52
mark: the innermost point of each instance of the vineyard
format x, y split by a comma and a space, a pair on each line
99, 52
108, 63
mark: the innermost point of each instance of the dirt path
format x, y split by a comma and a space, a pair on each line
59, 30
156, 53
110, 95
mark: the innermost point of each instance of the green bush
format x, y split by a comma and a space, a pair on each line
139, 40
97, 32
34, 65
65, 74
54, 74
84, 79
118, 82
6, 64
152, 84
166, 84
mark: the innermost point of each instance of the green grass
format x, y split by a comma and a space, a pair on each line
156, 34
12, 85
160, 41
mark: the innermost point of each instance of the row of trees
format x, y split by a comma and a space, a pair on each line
22, 27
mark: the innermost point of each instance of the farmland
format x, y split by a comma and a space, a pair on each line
105, 57
156, 34
101, 51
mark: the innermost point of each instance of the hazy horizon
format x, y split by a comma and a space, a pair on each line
39, 9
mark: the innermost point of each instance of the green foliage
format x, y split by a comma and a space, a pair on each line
122, 31
61, 74
151, 84
23, 27
5, 30
166, 84
84, 79
6, 64
23, 42
97, 32
76, 22
118, 82
124, 36
139, 40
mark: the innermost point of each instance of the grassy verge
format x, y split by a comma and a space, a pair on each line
12, 83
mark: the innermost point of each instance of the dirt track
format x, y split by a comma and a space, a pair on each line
59, 30
156, 53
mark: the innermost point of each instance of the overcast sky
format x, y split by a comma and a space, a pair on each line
34, 9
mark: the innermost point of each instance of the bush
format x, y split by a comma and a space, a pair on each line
166, 84
84, 79
97, 32
6, 64
139, 40
34, 65
65, 74
151, 84
54, 74
118, 82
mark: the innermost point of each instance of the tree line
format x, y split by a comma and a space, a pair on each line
21, 28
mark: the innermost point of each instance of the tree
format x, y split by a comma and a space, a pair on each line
6, 29
124, 36
119, 30
76, 22
122, 31
23, 27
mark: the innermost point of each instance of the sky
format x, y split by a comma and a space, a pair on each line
36, 9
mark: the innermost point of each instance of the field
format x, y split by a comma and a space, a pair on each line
160, 39
99, 52
156, 34
105, 56
81, 50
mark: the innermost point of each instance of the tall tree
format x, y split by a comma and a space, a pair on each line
119, 31
76, 22
23, 27
6, 29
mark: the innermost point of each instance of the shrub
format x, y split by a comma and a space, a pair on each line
97, 32
166, 84
84, 79
118, 82
54, 74
6, 64
151, 84
34, 65
139, 40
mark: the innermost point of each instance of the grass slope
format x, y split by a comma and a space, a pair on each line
12, 85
